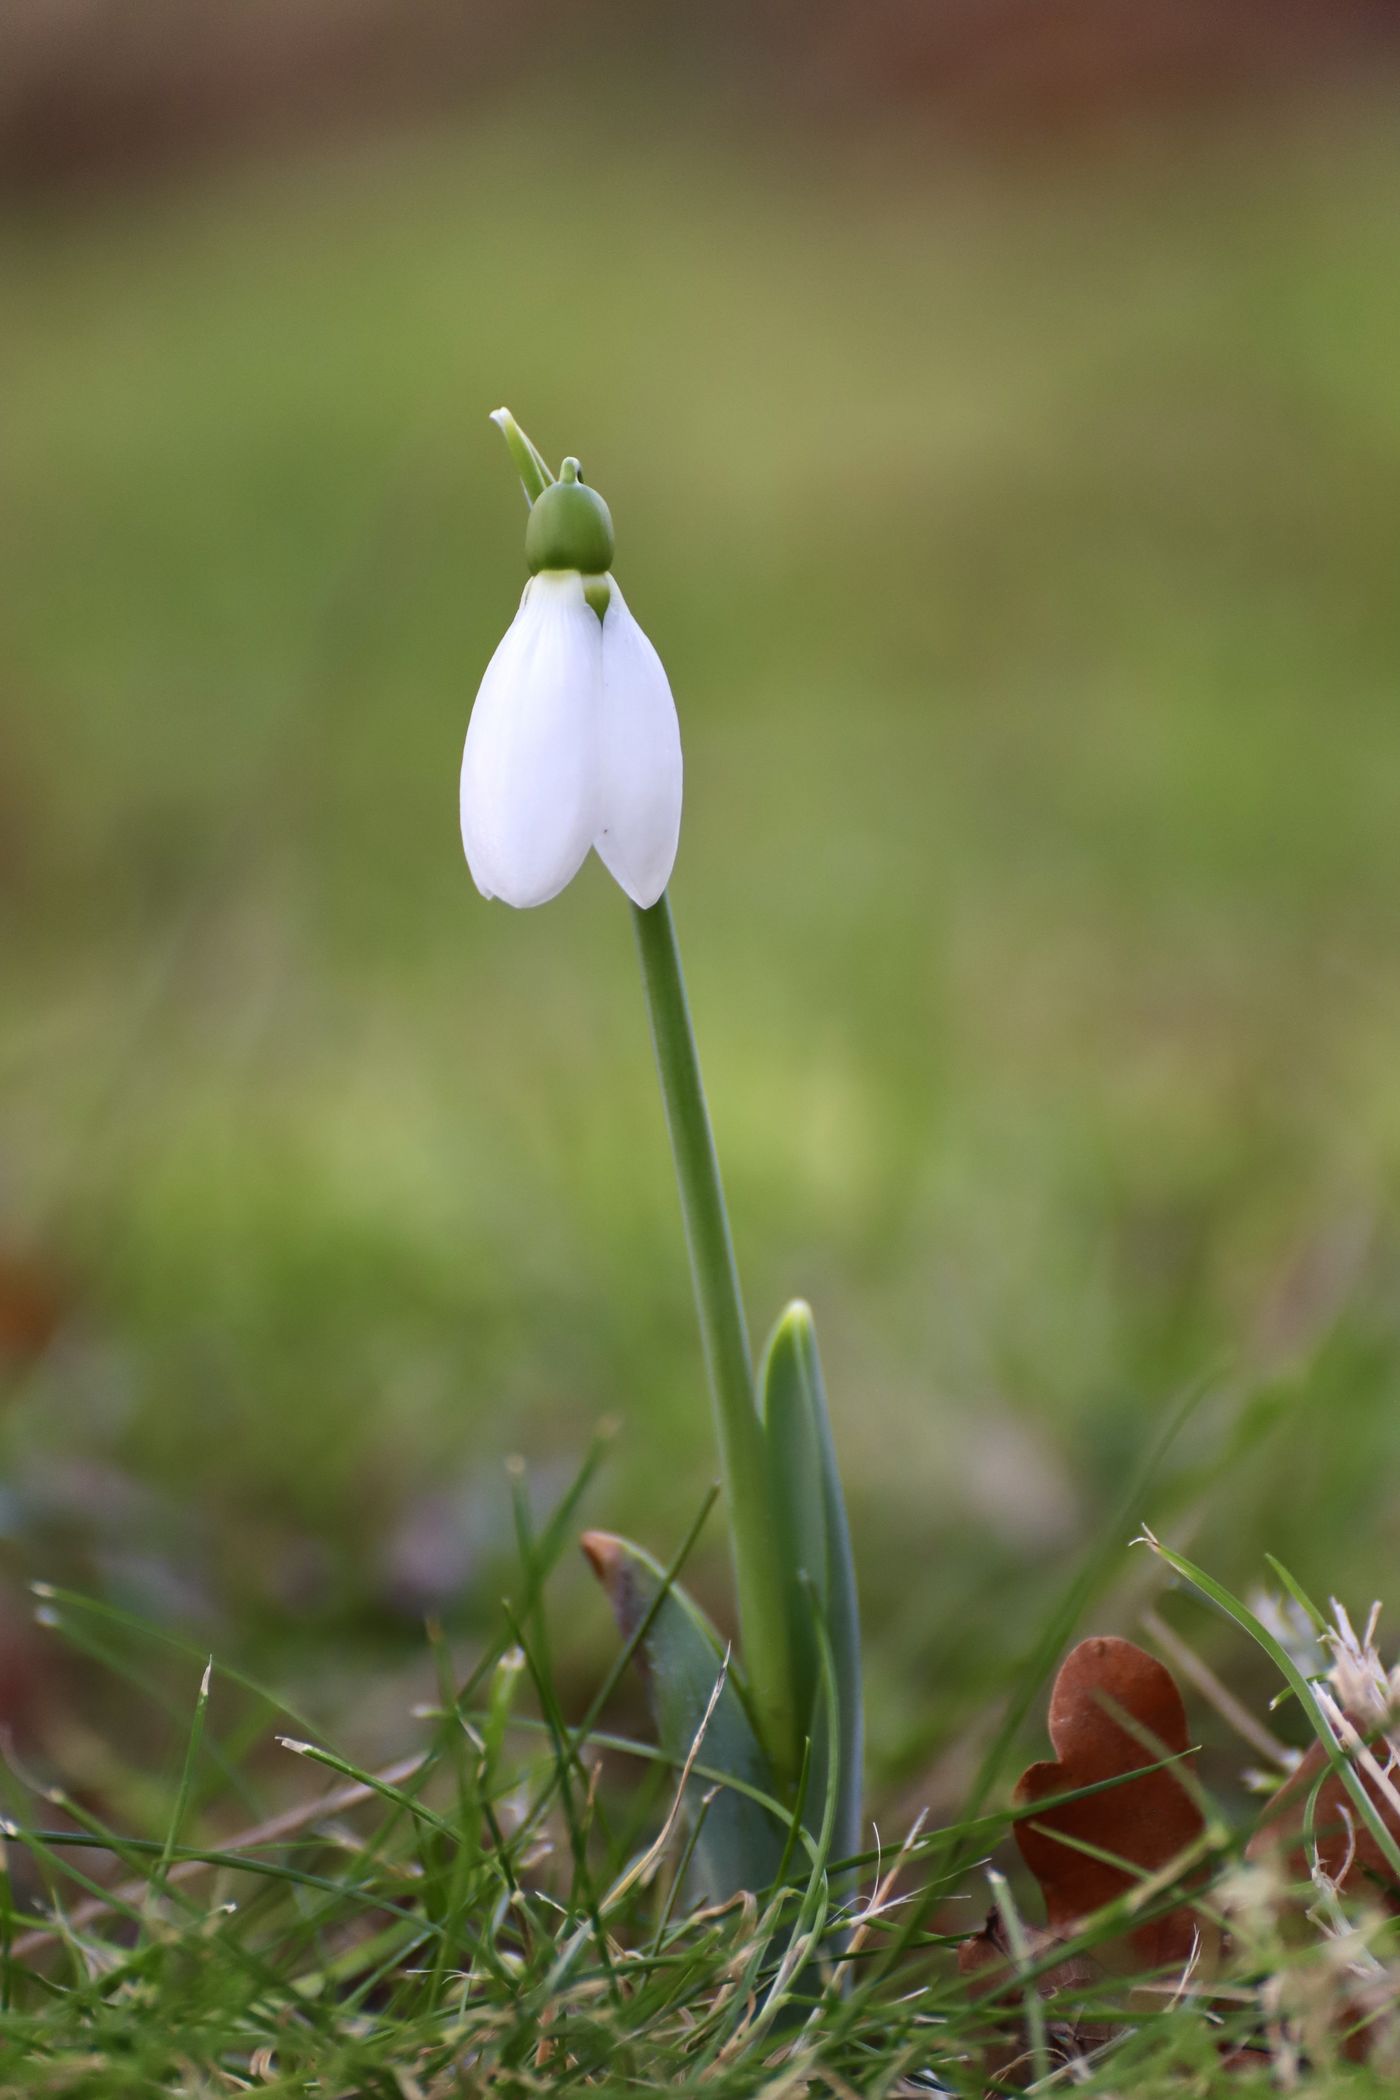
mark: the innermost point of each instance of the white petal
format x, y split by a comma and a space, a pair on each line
639, 760
530, 767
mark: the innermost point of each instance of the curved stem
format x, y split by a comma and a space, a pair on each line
720, 1305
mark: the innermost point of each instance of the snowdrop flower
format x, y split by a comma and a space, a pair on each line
573, 742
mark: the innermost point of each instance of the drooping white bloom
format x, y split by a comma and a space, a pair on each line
573, 743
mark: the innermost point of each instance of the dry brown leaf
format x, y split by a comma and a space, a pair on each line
1114, 1710
1345, 1849
987, 1964
986, 1961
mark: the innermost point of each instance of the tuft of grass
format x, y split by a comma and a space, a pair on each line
504, 1910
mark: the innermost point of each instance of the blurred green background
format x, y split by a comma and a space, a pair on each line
1014, 508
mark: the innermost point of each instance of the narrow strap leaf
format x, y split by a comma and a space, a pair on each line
682, 1660
815, 1541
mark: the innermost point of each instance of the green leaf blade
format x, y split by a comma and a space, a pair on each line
809, 1514
740, 1844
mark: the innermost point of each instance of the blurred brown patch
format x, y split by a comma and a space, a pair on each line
1019, 63
32, 1304
89, 90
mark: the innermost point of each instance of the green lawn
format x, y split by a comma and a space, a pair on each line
1020, 541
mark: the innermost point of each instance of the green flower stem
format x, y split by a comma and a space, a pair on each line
719, 1302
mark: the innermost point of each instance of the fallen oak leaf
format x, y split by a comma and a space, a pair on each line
1333, 1828
988, 1965
987, 1962
1333, 1834
1114, 1711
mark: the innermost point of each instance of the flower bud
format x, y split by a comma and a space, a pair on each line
569, 527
